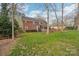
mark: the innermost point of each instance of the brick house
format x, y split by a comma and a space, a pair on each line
33, 24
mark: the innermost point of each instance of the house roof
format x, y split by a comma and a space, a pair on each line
28, 18
34, 19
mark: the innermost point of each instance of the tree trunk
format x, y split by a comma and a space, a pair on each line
77, 17
62, 18
56, 16
47, 8
13, 18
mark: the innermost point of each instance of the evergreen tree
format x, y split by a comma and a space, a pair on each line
5, 23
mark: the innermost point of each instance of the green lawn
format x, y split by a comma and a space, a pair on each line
38, 43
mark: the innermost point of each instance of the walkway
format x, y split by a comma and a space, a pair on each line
5, 46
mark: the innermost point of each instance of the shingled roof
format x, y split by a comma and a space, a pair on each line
35, 19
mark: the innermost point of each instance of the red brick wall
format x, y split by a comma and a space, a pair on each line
30, 25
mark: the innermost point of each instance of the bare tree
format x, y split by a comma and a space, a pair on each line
13, 18
16, 7
54, 9
47, 8
76, 21
62, 17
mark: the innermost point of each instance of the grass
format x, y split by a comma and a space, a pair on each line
54, 44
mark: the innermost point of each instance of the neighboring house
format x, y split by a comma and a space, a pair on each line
34, 24
56, 28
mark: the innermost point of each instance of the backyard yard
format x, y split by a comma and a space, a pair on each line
41, 44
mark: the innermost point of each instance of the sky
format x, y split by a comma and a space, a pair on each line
34, 9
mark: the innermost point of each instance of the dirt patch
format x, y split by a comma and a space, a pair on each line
5, 46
